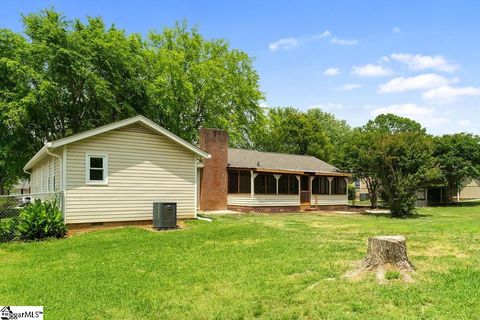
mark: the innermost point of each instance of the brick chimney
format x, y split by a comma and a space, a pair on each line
213, 181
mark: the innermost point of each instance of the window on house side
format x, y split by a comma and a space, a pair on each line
97, 171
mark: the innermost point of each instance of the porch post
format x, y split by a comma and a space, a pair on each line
346, 185
299, 184
330, 179
277, 176
252, 183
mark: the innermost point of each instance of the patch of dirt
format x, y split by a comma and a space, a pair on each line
78, 231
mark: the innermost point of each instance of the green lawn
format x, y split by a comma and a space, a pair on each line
247, 266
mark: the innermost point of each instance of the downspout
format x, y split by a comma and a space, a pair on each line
50, 153
197, 190
29, 179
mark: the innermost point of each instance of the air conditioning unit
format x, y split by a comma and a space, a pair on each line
164, 215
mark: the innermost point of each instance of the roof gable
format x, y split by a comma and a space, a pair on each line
116, 125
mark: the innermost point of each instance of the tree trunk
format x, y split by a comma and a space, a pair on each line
387, 250
385, 253
374, 199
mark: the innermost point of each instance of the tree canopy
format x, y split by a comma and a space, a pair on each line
458, 158
313, 132
394, 154
60, 77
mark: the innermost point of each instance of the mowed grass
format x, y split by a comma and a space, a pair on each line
286, 266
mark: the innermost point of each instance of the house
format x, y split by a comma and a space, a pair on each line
21, 187
470, 190
431, 195
250, 180
114, 173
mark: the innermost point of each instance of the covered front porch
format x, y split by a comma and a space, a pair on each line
284, 191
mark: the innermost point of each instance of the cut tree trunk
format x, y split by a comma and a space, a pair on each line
385, 252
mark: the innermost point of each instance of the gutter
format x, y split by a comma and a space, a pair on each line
48, 151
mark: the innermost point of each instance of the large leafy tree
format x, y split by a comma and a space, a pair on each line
314, 133
394, 154
402, 155
359, 159
195, 82
61, 77
458, 158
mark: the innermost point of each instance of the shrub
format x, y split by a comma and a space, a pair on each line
40, 220
7, 229
351, 192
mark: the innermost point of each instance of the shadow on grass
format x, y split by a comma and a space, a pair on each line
388, 215
456, 204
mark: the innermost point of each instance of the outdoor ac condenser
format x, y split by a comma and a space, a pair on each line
164, 215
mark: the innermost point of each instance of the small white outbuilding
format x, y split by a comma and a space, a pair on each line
114, 173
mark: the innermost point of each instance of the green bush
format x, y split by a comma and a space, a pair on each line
351, 192
8, 229
40, 220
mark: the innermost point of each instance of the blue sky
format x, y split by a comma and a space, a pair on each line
355, 59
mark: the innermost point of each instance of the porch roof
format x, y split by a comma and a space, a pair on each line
279, 162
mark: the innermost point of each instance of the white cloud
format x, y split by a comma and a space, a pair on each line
331, 72
371, 70
446, 94
348, 87
322, 35
420, 62
344, 42
396, 30
287, 43
423, 81
290, 43
426, 116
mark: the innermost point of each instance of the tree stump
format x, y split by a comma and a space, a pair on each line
385, 253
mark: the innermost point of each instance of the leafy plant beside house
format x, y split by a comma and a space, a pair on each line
8, 228
41, 220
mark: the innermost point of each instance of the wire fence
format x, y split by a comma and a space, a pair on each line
11, 207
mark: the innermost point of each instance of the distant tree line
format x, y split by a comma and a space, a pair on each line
61, 77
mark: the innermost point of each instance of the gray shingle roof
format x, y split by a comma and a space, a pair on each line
241, 158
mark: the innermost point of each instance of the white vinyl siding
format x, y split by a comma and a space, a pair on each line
263, 200
143, 167
329, 200
45, 176
471, 190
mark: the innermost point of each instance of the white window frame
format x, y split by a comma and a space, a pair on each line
104, 156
